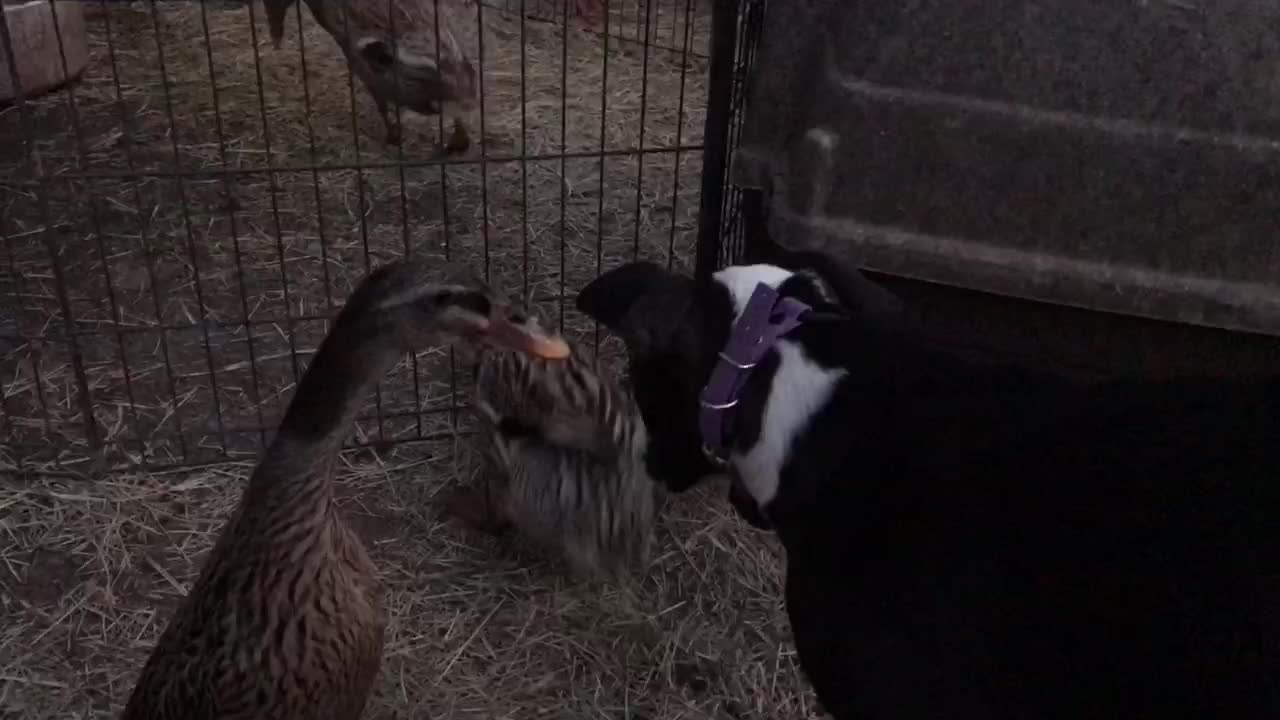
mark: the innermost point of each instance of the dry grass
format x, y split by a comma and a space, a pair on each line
478, 628
195, 300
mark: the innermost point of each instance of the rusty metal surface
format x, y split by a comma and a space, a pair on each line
1113, 156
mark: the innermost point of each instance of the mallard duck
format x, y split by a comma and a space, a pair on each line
286, 618
564, 451
391, 46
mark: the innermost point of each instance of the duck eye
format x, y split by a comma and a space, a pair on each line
376, 52
473, 302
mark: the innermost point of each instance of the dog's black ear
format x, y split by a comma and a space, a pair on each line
643, 302
609, 298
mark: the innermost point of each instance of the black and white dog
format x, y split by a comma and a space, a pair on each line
968, 541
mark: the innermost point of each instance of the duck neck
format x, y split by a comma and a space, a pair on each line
325, 17
295, 473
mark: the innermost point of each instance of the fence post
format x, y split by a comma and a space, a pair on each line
724, 21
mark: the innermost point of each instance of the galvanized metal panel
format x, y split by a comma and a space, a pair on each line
1118, 156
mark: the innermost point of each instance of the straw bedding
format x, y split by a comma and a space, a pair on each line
193, 302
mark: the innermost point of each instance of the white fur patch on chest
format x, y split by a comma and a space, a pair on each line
800, 389
741, 281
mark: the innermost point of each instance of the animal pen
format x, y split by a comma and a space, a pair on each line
179, 224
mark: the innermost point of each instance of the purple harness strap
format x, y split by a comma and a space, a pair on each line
764, 320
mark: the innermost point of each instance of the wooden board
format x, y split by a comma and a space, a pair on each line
35, 46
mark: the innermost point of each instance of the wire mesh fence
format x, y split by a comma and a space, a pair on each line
739, 25
181, 222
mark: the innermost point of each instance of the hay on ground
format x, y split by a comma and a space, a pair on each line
196, 301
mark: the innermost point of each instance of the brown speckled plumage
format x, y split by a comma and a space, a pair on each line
564, 449
285, 621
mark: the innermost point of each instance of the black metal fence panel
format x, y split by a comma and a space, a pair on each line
179, 224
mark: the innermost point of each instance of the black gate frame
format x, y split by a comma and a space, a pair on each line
729, 214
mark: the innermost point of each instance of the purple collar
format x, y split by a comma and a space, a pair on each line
765, 319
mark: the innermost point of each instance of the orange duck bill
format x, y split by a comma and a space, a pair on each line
524, 337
